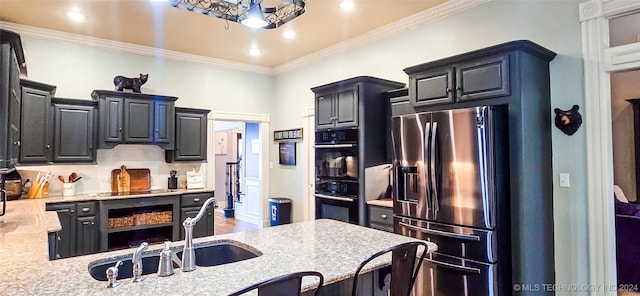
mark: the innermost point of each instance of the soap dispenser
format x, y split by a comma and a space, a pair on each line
165, 266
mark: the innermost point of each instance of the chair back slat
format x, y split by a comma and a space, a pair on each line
404, 267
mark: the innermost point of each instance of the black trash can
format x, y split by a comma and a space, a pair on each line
280, 208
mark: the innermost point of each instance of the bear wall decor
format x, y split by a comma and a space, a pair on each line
133, 84
568, 121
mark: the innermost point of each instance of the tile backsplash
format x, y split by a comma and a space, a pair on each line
97, 177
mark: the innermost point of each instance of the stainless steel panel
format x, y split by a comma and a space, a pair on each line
409, 142
475, 244
461, 168
444, 275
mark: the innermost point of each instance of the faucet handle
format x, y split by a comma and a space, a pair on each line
112, 275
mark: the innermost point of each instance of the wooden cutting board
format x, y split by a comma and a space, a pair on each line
140, 179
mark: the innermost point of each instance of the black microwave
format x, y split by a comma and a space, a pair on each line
346, 136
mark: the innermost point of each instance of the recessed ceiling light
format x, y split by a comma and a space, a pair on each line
254, 51
347, 5
75, 15
288, 34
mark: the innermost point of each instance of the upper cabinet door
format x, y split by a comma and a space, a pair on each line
138, 121
346, 111
483, 79
324, 110
111, 118
191, 136
36, 143
164, 118
74, 134
432, 87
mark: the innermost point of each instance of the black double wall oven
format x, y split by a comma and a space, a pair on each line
336, 166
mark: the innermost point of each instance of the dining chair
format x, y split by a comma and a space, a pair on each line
284, 285
404, 267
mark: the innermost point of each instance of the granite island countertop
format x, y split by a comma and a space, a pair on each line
333, 248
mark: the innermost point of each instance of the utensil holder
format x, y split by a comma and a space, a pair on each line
68, 189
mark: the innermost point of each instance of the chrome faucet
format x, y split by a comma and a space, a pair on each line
188, 254
137, 263
112, 275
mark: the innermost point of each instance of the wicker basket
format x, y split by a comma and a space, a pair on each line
121, 222
153, 218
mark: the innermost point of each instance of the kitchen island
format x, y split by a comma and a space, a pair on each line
330, 247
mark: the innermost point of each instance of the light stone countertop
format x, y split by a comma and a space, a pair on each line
105, 196
387, 203
333, 248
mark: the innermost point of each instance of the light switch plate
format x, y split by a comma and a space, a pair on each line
565, 180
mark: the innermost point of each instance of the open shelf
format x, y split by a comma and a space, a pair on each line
135, 236
139, 227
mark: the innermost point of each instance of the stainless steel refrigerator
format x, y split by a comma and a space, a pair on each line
451, 188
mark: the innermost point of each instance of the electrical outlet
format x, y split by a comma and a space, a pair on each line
565, 180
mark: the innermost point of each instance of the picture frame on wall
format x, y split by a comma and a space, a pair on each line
287, 152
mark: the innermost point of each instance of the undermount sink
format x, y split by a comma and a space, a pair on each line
125, 271
220, 253
206, 255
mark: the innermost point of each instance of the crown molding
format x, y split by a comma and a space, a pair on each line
48, 34
235, 116
440, 11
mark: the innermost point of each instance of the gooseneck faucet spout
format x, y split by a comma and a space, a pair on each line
137, 262
188, 254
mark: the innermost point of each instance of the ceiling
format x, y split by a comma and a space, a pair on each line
162, 26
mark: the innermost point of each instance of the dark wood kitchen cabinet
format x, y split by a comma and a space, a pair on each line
11, 60
190, 205
133, 118
190, 136
381, 218
341, 104
485, 77
36, 144
75, 128
337, 108
67, 235
87, 232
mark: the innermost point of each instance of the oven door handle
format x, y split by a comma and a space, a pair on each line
334, 197
442, 233
334, 145
454, 266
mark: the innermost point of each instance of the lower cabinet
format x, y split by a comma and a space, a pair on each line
89, 227
79, 233
381, 218
190, 206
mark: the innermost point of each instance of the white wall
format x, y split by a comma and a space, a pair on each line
552, 24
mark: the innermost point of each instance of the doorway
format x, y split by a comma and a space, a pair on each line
237, 176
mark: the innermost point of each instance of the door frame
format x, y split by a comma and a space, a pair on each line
264, 121
599, 60
309, 203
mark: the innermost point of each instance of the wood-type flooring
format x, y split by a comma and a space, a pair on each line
222, 225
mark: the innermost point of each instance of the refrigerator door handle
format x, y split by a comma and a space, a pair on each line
432, 155
442, 233
454, 266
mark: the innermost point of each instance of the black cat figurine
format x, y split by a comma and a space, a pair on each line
134, 84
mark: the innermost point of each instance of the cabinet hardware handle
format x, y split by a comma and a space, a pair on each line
85, 223
86, 209
196, 199
72, 211
449, 90
48, 146
383, 216
18, 143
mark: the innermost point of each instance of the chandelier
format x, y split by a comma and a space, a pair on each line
247, 12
